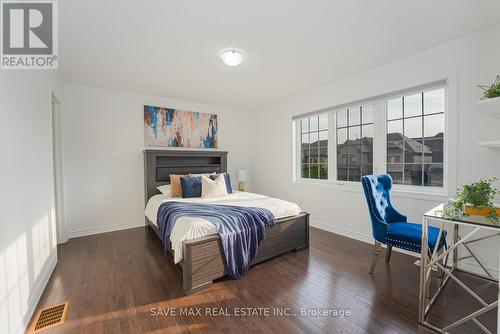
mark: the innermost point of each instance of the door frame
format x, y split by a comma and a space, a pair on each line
57, 166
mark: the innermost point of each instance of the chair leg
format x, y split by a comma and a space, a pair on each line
388, 254
377, 248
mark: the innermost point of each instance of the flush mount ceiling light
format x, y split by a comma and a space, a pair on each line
231, 57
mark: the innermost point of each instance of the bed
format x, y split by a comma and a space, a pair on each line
196, 248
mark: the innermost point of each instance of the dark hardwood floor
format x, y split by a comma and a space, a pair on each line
116, 281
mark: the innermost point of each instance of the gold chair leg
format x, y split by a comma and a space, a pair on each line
377, 248
388, 254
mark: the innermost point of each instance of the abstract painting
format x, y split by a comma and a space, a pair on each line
179, 128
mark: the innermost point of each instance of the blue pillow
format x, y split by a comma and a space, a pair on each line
227, 178
191, 186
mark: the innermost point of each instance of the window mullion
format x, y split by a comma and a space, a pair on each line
404, 142
332, 146
422, 165
296, 126
379, 138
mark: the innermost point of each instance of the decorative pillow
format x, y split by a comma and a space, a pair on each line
165, 189
191, 186
213, 188
175, 182
227, 179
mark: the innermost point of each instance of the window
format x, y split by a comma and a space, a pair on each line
354, 131
314, 147
415, 138
402, 134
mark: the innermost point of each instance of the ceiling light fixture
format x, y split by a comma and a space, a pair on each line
231, 57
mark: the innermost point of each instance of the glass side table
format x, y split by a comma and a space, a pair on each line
431, 258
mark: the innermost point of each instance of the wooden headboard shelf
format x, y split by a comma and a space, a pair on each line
159, 164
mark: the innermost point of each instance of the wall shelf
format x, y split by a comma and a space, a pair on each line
491, 106
493, 144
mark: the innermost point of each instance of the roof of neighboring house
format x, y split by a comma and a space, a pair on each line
394, 140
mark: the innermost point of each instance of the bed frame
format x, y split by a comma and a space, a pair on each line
203, 259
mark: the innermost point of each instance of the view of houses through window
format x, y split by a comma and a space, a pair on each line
354, 143
414, 140
314, 147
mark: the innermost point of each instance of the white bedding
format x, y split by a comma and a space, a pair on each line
187, 228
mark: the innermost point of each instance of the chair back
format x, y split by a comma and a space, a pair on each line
377, 189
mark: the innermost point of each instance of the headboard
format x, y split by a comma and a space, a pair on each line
159, 164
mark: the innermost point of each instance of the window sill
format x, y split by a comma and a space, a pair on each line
438, 195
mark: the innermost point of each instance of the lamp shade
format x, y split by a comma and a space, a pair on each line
242, 175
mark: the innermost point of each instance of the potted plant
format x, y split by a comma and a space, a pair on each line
476, 198
492, 91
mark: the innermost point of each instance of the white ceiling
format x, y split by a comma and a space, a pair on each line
169, 47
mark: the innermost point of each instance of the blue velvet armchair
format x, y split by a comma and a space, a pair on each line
389, 226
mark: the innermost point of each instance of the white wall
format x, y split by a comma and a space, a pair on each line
466, 62
28, 251
103, 159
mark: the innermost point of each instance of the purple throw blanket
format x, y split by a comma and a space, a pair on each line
241, 229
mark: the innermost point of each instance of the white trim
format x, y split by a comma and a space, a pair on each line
451, 137
102, 229
39, 287
433, 84
475, 268
332, 146
380, 152
355, 235
492, 144
449, 82
379, 137
297, 146
312, 181
57, 150
419, 194
343, 231
472, 267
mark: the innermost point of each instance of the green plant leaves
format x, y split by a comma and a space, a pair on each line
493, 90
479, 194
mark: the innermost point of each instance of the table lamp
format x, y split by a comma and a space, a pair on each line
242, 177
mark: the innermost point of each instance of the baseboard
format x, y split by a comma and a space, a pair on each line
102, 229
39, 288
343, 231
475, 268
356, 235
472, 267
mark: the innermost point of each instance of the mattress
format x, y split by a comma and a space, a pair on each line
188, 228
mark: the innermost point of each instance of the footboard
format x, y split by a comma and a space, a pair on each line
204, 258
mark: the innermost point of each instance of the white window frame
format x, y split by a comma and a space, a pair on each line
334, 162
429, 189
297, 135
379, 143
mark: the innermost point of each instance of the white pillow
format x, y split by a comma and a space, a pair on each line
165, 189
213, 188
